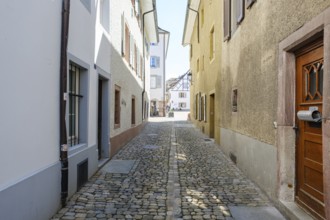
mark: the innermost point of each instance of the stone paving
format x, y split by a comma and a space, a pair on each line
177, 175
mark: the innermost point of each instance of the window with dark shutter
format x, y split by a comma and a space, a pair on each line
226, 19
127, 44
240, 11
123, 38
249, 3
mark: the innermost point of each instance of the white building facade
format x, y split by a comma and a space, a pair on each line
158, 53
130, 74
31, 176
178, 93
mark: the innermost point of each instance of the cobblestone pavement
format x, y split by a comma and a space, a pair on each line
178, 175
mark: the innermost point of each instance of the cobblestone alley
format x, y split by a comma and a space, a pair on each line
174, 172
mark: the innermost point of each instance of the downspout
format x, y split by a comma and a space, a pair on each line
164, 107
197, 21
63, 92
144, 60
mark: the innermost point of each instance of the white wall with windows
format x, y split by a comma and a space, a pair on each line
157, 64
30, 51
178, 93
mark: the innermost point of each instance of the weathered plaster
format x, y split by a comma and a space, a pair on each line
207, 79
285, 118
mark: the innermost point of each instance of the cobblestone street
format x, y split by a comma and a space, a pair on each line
176, 173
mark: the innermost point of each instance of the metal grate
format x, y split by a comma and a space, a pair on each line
82, 173
233, 157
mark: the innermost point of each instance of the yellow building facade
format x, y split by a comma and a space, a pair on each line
271, 62
203, 33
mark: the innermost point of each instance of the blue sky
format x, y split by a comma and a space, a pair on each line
171, 16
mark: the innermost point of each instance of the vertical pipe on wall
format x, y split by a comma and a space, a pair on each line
63, 95
144, 60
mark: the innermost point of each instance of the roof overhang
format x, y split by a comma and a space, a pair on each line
166, 37
149, 17
190, 21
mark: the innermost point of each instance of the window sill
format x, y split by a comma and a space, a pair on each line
117, 126
76, 148
211, 61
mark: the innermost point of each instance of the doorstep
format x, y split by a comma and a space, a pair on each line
293, 211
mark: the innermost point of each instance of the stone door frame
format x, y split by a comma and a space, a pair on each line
285, 136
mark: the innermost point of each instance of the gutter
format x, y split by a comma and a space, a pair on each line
144, 59
186, 22
197, 21
63, 94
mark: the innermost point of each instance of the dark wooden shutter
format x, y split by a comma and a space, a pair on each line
240, 11
123, 38
249, 3
226, 19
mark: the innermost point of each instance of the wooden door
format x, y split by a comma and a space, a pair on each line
309, 89
99, 120
212, 116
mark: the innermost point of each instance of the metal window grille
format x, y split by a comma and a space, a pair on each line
74, 99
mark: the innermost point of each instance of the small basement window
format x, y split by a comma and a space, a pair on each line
234, 100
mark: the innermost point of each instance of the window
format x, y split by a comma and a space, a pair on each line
202, 17
202, 63
153, 80
234, 100
212, 44
233, 18
182, 105
87, 4
182, 95
117, 106
131, 52
196, 106
138, 63
159, 82
240, 11
185, 85
249, 3
191, 51
154, 62
197, 66
123, 35
127, 44
141, 67
233, 15
202, 107
226, 19
133, 111
74, 105
105, 14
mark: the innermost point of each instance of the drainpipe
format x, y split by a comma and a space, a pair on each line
144, 60
164, 107
197, 21
63, 93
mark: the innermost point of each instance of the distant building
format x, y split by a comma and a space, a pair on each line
178, 93
130, 57
158, 53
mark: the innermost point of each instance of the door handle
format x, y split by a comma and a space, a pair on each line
296, 129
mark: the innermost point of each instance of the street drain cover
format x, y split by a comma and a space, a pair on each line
152, 147
208, 140
255, 213
119, 166
152, 135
